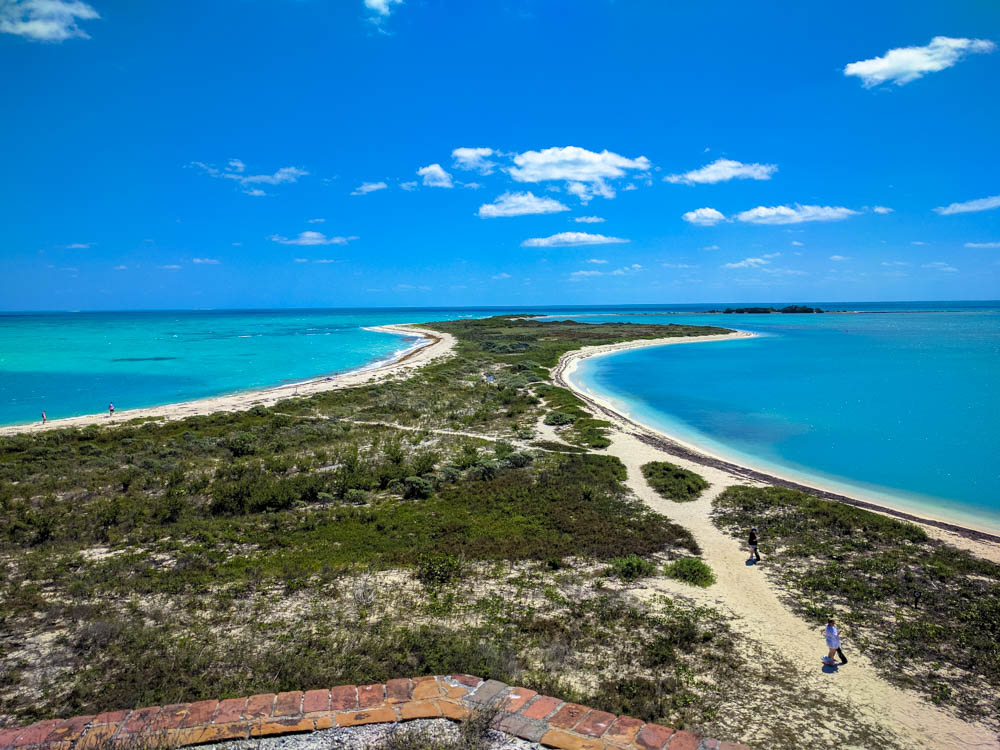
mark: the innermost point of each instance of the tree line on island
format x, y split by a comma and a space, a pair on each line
761, 310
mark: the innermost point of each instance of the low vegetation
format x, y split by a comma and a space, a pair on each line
690, 570
928, 614
672, 482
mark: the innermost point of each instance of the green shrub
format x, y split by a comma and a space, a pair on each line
673, 482
631, 567
690, 570
559, 418
439, 569
415, 488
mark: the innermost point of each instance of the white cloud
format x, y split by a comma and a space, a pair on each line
572, 239
235, 170
520, 204
382, 8
120, 268
408, 186
411, 288
311, 238
905, 64
500, 276
839, 258
474, 159
940, 266
588, 220
980, 204
170, 267
585, 172
710, 247
704, 217
983, 244
300, 260
794, 214
891, 263
796, 243
580, 275
747, 263
315, 221
325, 260
45, 20
435, 176
78, 245
722, 170
918, 242
882, 209
596, 260
677, 265
368, 187
206, 261
771, 255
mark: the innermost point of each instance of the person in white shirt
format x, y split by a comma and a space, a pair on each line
833, 643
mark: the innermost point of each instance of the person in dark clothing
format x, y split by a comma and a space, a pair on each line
754, 555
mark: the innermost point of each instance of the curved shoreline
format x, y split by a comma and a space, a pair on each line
432, 344
568, 363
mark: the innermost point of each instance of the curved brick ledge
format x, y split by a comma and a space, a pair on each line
523, 712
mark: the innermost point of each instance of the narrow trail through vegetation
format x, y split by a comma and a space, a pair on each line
758, 612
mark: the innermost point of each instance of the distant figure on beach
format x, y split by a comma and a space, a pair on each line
111, 410
833, 643
754, 555
43, 417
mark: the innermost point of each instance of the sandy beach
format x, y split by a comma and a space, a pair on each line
431, 345
745, 592
940, 526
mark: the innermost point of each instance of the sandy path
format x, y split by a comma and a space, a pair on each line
433, 344
745, 592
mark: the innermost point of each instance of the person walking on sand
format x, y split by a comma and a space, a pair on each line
752, 541
43, 417
833, 643
111, 410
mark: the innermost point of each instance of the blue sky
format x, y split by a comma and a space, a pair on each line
282, 153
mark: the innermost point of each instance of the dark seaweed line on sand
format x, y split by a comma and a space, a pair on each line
647, 436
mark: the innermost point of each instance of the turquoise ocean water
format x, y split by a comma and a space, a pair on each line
897, 402
897, 408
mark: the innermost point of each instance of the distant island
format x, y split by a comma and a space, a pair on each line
757, 310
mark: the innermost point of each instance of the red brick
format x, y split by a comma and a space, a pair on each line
466, 679
229, 710
344, 698
681, 740
419, 710
370, 696
169, 718
67, 731
425, 689
110, 717
623, 731
653, 737
398, 690
516, 699
37, 732
417, 680
596, 723
376, 716
139, 721
316, 700
569, 716
7, 736
542, 706
211, 733
565, 741
288, 703
259, 706
201, 713
281, 726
